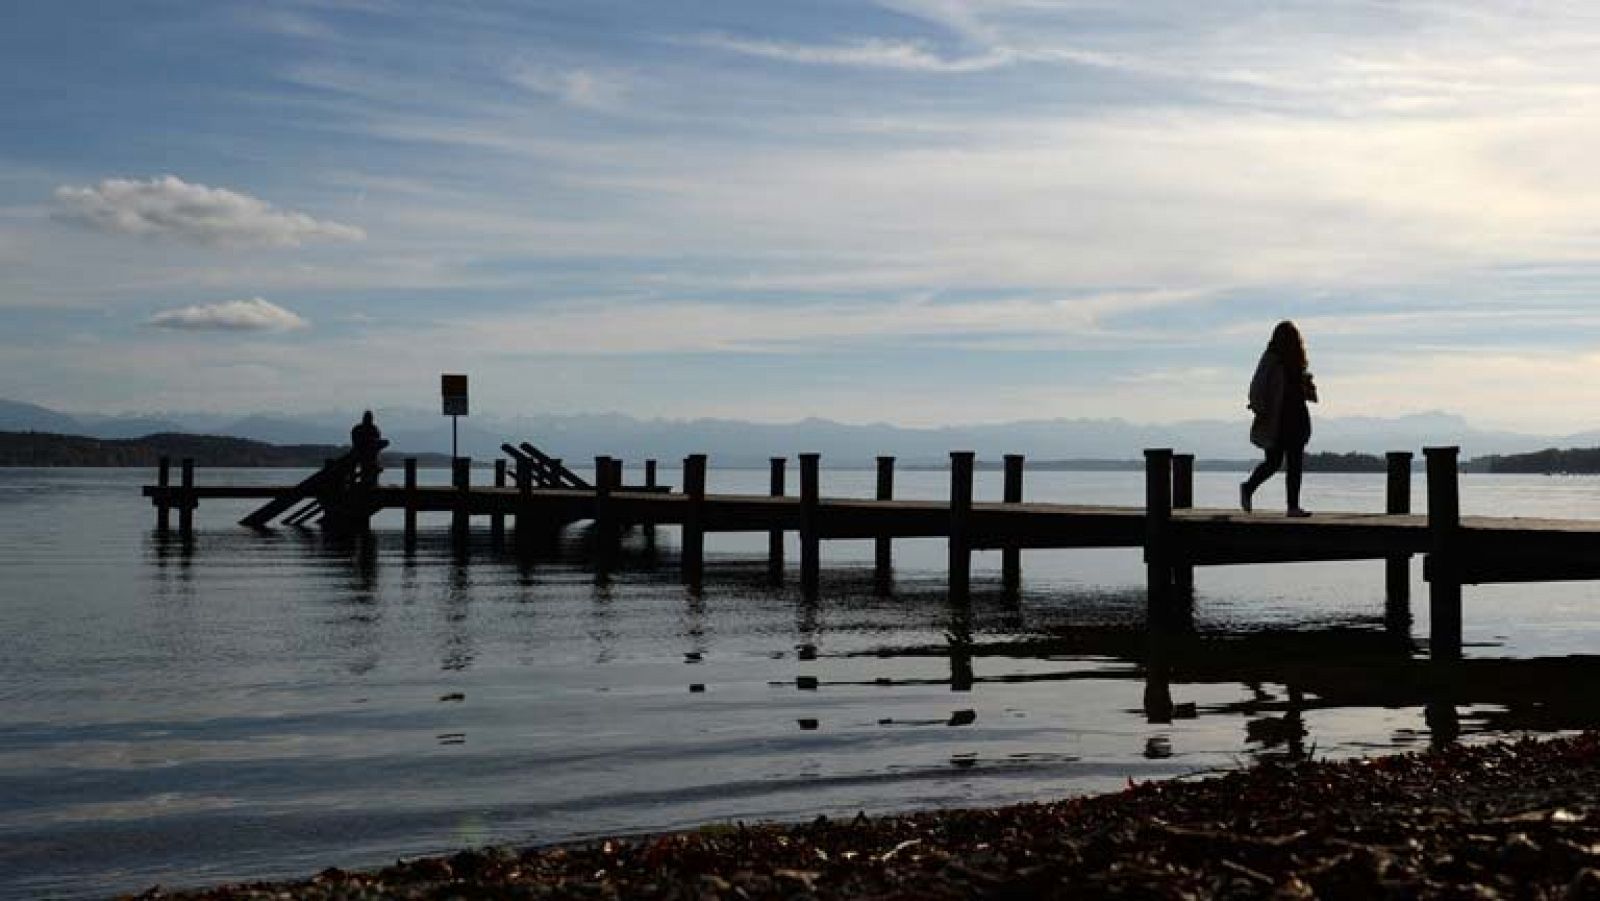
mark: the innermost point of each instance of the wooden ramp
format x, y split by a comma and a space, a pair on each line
314, 491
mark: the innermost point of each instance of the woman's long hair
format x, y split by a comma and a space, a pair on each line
1289, 346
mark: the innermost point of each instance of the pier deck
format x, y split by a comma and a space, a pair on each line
1174, 536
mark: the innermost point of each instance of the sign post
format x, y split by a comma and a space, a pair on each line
454, 390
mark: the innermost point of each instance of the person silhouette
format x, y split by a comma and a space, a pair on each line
1279, 392
365, 444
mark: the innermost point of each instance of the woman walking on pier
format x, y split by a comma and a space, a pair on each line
1278, 394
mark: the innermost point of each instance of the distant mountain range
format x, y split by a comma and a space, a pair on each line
580, 437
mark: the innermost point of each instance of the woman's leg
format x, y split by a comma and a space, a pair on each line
1295, 456
1263, 471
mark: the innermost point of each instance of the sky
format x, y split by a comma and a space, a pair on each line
905, 211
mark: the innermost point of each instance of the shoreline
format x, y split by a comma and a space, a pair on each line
1513, 818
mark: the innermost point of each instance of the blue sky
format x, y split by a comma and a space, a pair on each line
914, 211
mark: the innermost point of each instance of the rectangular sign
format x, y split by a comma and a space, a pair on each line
454, 390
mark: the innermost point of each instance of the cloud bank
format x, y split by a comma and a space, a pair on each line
254, 315
173, 208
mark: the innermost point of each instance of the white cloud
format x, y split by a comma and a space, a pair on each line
172, 207
584, 88
254, 315
872, 53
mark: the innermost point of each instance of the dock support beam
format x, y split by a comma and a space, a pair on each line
605, 527
497, 521
961, 463
411, 500
1011, 557
461, 479
810, 542
649, 473
694, 533
187, 504
1397, 569
1444, 556
1182, 499
775, 536
1157, 553
883, 545
524, 523
164, 509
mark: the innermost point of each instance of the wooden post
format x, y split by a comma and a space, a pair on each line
188, 502
616, 474
461, 478
605, 531
1157, 554
883, 545
524, 500
1397, 568
961, 463
694, 536
497, 521
1182, 499
411, 499
1011, 556
649, 473
1444, 557
810, 539
775, 536
163, 505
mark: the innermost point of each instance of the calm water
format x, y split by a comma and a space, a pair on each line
264, 706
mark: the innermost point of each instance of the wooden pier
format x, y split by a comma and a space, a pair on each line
541, 496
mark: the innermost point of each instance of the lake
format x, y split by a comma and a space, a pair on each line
265, 705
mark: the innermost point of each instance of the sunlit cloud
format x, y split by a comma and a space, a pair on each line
173, 208
253, 315
872, 53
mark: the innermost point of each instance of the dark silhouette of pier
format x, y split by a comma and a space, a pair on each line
541, 496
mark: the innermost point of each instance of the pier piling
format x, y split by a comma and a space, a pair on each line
883, 544
810, 544
524, 524
694, 534
1011, 556
775, 536
649, 473
1157, 554
187, 502
1397, 567
163, 509
961, 463
497, 520
461, 515
411, 500
1444, 555
605, 526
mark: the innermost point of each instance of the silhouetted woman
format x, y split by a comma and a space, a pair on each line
1278, 395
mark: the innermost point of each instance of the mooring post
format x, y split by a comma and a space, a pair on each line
694, 535
1444, 555
524, 524
810, 539
163, 503
188, 503
1011, 555
649, 473
605, 531
1182, 499
616, 474
497, 521
1397, 568
411, 500
461, 479
1157, 553
883, 545
961, 463
775, 536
